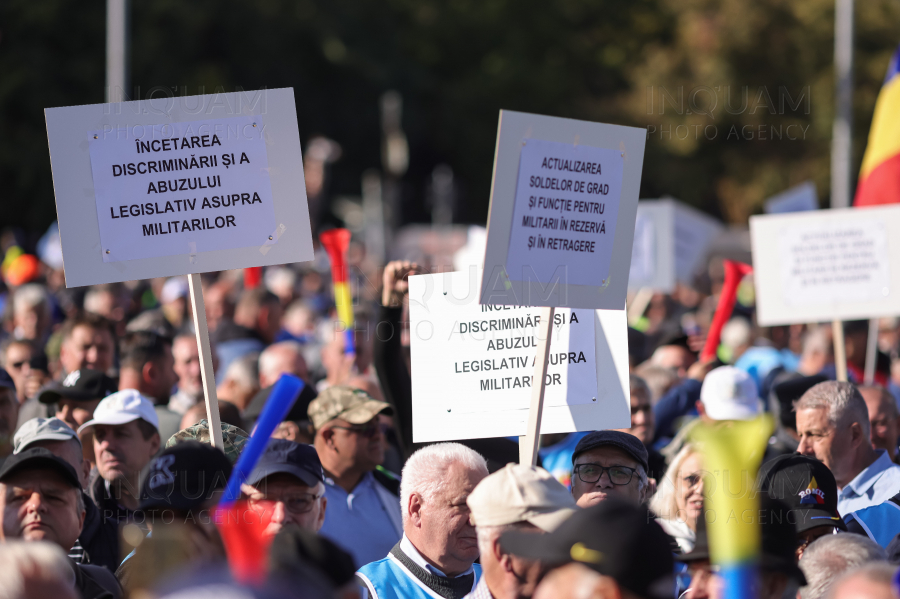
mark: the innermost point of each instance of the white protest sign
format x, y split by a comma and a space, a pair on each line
472, 364
203, 183
670, 242
563, 204
826, 265
175, 186
561, 213
800, 198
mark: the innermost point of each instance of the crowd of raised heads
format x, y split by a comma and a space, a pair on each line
111, 486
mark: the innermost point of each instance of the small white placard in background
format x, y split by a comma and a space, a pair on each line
800, 198
826, 265
834, 262
671, 241
567, 200
552, 178
176, 188
472, 364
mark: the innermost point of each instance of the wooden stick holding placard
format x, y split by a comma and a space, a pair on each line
530, 443
840, 354
206, 367
871, 352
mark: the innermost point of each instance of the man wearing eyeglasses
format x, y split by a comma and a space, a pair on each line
288, 480
363, 501
609, 464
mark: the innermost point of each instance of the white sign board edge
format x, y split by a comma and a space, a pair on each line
655, 221
513, 129
800, 198
612, 409
693, 233
768, 261
73, 185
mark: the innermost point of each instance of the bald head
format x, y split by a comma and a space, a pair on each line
285, 357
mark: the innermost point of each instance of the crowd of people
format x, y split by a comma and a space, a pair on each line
111, 488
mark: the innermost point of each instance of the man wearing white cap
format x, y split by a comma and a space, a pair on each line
126, 437
517, 497
728, 393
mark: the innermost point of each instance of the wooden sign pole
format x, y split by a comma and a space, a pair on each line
530, 443
206, 367
871, 352
840, 350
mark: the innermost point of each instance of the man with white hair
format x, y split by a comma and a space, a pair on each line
873, 581
517, 497
833, 424
436, 556
828, 557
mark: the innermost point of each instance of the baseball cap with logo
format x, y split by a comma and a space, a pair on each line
42, 429
123, 407
286, 457
729, 393
353, 405
184, 477
806, 486
234, 438
615, 538
79, 385
39, 458
520, 493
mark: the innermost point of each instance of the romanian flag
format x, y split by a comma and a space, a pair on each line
879, 177
336, 242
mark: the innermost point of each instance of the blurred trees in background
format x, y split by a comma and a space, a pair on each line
713, 81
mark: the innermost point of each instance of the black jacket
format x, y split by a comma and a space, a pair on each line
100, 537
94, 582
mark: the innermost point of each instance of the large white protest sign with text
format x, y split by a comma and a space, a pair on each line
189, 187
827, 265
561, 221
473, 364
179, 185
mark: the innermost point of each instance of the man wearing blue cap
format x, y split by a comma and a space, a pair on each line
609, 464
289, 475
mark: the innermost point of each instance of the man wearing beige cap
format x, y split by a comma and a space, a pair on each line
363, 513
518, 497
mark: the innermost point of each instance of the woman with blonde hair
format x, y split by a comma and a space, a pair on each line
678, 501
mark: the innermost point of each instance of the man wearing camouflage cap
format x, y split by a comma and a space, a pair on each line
233, 438
363, 502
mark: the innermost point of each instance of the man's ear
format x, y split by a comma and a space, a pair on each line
700, 409
502, 558
856, 435
149, 372
154, 444
414, 509
85, 469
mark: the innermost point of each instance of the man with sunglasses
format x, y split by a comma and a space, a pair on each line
609, 464
364, 504
288, 480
